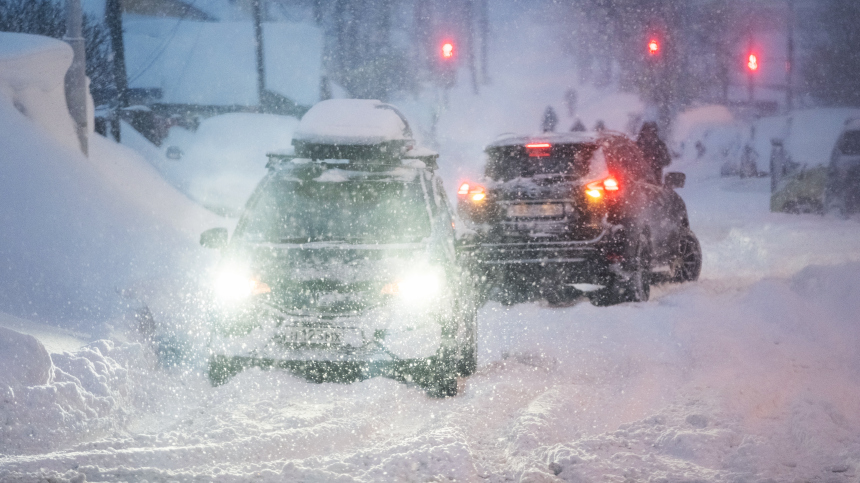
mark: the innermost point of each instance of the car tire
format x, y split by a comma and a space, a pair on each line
469, 351
222, 368
634, 285
688, 264
442, 382
560, 295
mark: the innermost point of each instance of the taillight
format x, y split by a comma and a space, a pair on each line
471, 192
596, 189
538, 150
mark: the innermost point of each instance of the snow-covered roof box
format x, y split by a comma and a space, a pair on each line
353, 122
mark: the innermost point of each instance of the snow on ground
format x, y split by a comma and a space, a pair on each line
223, 160
78, 230
748, 375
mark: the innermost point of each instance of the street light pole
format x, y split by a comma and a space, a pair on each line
76, 76
789, 93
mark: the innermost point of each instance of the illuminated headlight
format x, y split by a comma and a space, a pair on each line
416, 288
234, 283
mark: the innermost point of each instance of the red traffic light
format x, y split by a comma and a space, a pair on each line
653, 47
447, 50
752, 62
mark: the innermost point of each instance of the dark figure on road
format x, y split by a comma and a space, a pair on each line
654, 150
550, 120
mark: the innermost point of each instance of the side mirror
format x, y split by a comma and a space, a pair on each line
214, 238
674, 180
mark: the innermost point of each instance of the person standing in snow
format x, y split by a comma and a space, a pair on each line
655, 152
550, 120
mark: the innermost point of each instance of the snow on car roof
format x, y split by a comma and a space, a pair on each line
565, 137
352, 122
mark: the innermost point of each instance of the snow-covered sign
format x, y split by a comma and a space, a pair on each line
214, 63
352, 121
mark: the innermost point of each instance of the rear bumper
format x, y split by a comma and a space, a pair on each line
560, 261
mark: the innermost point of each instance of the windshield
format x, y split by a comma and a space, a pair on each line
509, 162
290, 211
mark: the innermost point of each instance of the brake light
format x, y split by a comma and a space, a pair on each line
477, 193
538, 150
595, 189
472, 192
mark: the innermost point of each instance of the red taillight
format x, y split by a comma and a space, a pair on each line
595, 189
471, 192
538, 150
610, 184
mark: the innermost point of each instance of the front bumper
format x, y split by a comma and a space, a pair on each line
388, 333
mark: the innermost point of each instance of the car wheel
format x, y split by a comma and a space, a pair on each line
222, 368
442, 380
559, 296
688, 265
633, 284
469, 351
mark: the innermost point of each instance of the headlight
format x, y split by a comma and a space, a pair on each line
418, 287
234, 283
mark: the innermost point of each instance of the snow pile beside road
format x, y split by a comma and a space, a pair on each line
48, 402
32, 73
709, 136
223, 160
77, 230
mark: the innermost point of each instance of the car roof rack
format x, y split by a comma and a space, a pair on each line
346, 157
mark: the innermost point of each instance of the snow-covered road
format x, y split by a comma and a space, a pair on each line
749, 374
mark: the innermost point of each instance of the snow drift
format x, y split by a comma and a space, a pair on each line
77, 230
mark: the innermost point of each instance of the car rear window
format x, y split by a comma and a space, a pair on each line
290, 211
850, 143
509, 162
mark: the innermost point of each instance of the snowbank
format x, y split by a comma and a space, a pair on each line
50, 401
78, 230
223, 160
32, 73
23, 360
709, 136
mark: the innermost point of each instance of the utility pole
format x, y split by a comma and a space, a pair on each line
76, 76
258, 42
789, 67
113, 19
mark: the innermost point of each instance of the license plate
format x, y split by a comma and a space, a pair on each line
535, 210
320, 336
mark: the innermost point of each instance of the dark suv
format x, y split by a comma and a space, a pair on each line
343, 267
559, 215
